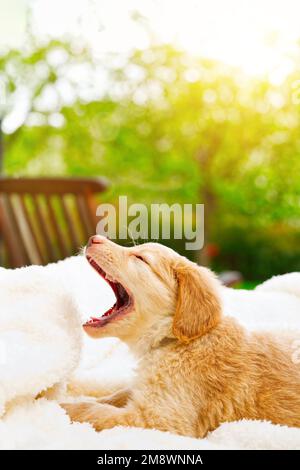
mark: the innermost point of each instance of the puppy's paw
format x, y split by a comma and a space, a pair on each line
100, 416
78, 412
119, 398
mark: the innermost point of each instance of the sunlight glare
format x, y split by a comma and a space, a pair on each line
254, 35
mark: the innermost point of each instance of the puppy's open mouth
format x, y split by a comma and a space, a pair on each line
122, 304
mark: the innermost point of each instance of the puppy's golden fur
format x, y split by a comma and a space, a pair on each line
197, 368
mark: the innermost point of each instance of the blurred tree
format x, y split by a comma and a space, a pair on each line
35, 83
166, 128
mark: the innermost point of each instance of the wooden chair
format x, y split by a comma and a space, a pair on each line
43, 220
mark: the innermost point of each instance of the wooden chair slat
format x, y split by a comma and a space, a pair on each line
24, 231
91, 207
43, 228
52, 185
13, 233
70, 224
9, 240
46, 219
40, 256
58, 232
2, 227
84, 216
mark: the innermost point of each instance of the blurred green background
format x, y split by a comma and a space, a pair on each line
167, 127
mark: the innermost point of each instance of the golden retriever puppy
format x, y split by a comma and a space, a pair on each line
197, 368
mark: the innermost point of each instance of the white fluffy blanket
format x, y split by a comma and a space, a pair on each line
42, 348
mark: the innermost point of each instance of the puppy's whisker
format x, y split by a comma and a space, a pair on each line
131, 237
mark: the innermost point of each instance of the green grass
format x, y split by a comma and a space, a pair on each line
249, 285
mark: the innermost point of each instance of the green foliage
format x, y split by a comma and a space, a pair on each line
257, 253
170, 128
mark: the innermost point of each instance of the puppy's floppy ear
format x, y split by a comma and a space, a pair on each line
198, 307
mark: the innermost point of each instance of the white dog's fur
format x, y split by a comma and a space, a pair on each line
41, 350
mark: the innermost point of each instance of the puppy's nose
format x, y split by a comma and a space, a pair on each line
95, 240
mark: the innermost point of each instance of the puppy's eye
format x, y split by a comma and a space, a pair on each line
141, 258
